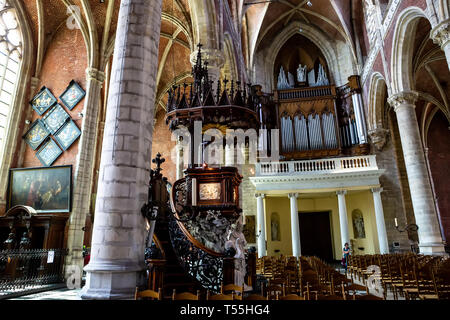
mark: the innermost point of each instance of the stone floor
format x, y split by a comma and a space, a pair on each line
57, 294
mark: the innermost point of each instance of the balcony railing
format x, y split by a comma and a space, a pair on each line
321, 166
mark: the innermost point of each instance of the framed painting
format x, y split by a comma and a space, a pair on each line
45, 189
36, 134
43, 101
72, 95
49, 152
55, 118
67, 134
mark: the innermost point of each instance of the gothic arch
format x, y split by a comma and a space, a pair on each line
266, 60
230, 69
402, 49
377, 97
19, 98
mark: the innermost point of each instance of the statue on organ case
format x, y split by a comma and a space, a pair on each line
301, 73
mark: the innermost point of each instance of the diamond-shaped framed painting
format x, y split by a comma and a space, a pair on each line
55, 118
72, 95
68, 134
49, 152
36, 134
43, 101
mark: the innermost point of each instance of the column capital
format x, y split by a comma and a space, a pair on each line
341, 192
378, 189
93, 74
441, 33
260, 195
215, 57
379, 137
293, 195
405, 98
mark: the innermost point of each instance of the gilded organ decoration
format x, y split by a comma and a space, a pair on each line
209, 191
36, 134
43, 101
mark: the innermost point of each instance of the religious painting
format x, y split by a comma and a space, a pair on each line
275, 226
55, 118
249, 229
359, 230
209, 191
72, 95
49, 152
43, 101
44, 189
36, 134
67, 134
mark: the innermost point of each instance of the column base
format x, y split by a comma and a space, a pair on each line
117, 283
432, 249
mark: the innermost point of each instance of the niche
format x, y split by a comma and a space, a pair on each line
359, 230
275, 227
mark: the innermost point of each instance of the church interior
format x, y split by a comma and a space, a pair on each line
225, 149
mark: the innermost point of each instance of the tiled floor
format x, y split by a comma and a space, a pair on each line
58, 294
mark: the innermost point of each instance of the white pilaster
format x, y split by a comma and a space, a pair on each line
295, 228
430, 239
345, 237
379, 217
118, 241
261, 231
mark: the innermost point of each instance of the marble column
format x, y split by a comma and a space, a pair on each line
118, 241
379, 217
84, 169
441, 36
261, 230
295, 227
180, 161
430, 239
345, 237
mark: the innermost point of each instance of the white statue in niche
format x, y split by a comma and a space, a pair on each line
301, 73
236, 240
283, 82
275, 226
358, 224
322, 79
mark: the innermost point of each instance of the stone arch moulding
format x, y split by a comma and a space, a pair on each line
230, 56
402, 49
267, 62
376, 97
19, 99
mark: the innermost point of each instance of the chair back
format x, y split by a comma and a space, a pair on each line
148, 294
185, 295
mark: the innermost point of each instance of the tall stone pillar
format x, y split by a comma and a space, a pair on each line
261, 231
118, 242
379, 217
84, 170
215, 59
295, 228
441, 36
430, 239
345, 237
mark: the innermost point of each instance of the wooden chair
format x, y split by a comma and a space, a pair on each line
255, 297
219, 296
148, 294
328, 297
238, 291
367, 297
290, 297
273, 290
185, 295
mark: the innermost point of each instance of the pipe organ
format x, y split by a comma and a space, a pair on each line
318, 122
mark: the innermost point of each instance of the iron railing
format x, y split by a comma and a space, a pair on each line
23, 270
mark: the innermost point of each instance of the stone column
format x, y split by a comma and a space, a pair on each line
117, 255
261, 231
358, 108
441, 36
295, 228
180, 161
430, 239
345, 237
379, 217
84, 169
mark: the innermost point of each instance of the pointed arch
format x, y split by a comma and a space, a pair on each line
377, 98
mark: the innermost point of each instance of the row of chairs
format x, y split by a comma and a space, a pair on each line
412, 276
